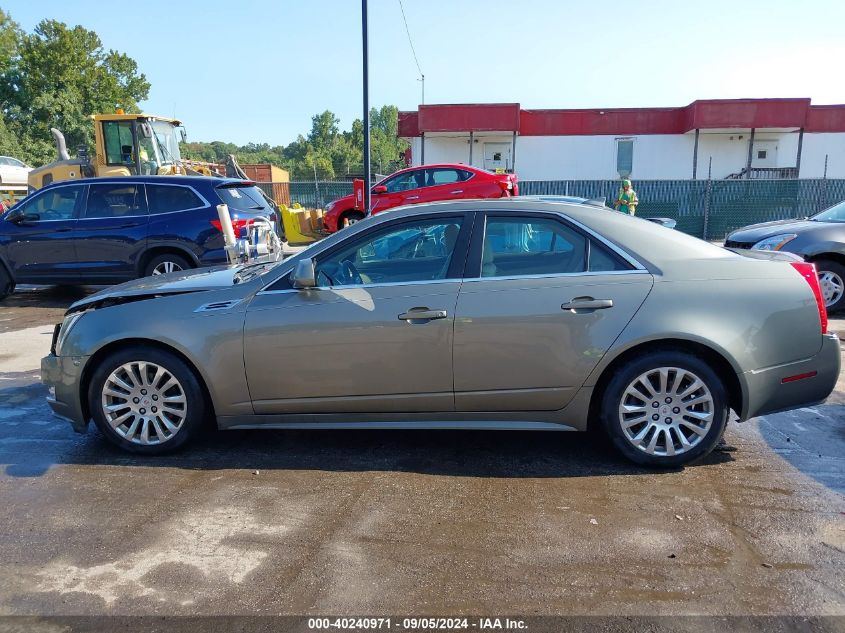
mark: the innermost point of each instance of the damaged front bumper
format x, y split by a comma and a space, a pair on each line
63, 376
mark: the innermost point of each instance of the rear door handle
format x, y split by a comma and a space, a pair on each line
586, 304
412, 198
422, 314
457, 191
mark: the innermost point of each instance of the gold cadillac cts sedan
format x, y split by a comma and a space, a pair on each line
512, 314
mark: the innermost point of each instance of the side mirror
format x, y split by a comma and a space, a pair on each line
304, 275
380, 189
16, 216
146, 130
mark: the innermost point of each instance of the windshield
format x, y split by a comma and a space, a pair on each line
167, 137
836, 213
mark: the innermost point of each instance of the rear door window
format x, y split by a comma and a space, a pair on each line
516, 246
170, 198
443, 176
115, 201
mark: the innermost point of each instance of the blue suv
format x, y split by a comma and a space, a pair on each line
110, 230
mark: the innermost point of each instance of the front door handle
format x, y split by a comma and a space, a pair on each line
412, 198
422, 315
456, 191
64, 229
584, 305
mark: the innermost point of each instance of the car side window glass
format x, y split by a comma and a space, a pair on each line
5, 161
403, 182
119, 142
602, 259
114, 201
169, 198
53, 204
442, 177
417, 251
531, 246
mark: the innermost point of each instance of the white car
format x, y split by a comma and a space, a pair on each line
13, 171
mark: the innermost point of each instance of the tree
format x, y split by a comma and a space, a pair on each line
57, 78
326, 150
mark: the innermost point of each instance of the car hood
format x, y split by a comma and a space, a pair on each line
757, 232
196, 280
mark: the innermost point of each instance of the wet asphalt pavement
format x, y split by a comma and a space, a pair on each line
408, 522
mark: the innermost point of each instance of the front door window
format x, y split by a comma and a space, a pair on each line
409, 252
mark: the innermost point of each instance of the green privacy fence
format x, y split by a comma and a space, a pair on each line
709, 209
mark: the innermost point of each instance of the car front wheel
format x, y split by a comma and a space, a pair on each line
665, 409
7, 284
146, 400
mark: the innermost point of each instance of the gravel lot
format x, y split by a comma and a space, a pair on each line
439, 523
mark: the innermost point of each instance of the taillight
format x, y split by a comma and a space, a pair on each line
811, 276
237, 225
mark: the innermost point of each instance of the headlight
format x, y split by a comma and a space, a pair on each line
67, 325
774, 243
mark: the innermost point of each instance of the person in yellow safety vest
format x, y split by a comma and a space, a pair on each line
627, 200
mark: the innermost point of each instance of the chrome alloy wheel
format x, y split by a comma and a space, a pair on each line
144, 403
832, 287
166, 267
666, 411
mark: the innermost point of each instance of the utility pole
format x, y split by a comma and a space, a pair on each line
422, 81
366, 119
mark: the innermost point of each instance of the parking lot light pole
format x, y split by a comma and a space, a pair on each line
366, 119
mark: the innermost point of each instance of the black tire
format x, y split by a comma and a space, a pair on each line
177, 261
7, 284
837, 269
195, 402
612, 400
349, 217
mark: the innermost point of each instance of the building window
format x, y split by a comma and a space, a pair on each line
624, 156
761, 154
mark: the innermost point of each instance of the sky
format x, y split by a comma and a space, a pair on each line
257, 70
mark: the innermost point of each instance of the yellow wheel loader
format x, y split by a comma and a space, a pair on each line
124, 145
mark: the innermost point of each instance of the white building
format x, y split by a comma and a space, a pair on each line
768, 138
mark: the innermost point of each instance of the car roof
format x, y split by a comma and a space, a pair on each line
647, 241
213, 181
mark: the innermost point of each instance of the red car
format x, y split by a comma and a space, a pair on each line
423, 184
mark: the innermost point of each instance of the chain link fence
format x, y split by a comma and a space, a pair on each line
709, 209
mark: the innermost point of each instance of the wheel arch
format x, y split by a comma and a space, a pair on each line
724, 366
346, 213
115, 346
839, 258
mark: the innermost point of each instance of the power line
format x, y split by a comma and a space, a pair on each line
410, 41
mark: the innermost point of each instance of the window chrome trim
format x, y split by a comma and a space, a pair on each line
590, 273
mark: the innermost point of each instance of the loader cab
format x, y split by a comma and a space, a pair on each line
137, 145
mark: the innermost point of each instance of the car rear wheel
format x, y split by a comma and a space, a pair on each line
146, 401
165, 263
349, 217
832, 283
665, 409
